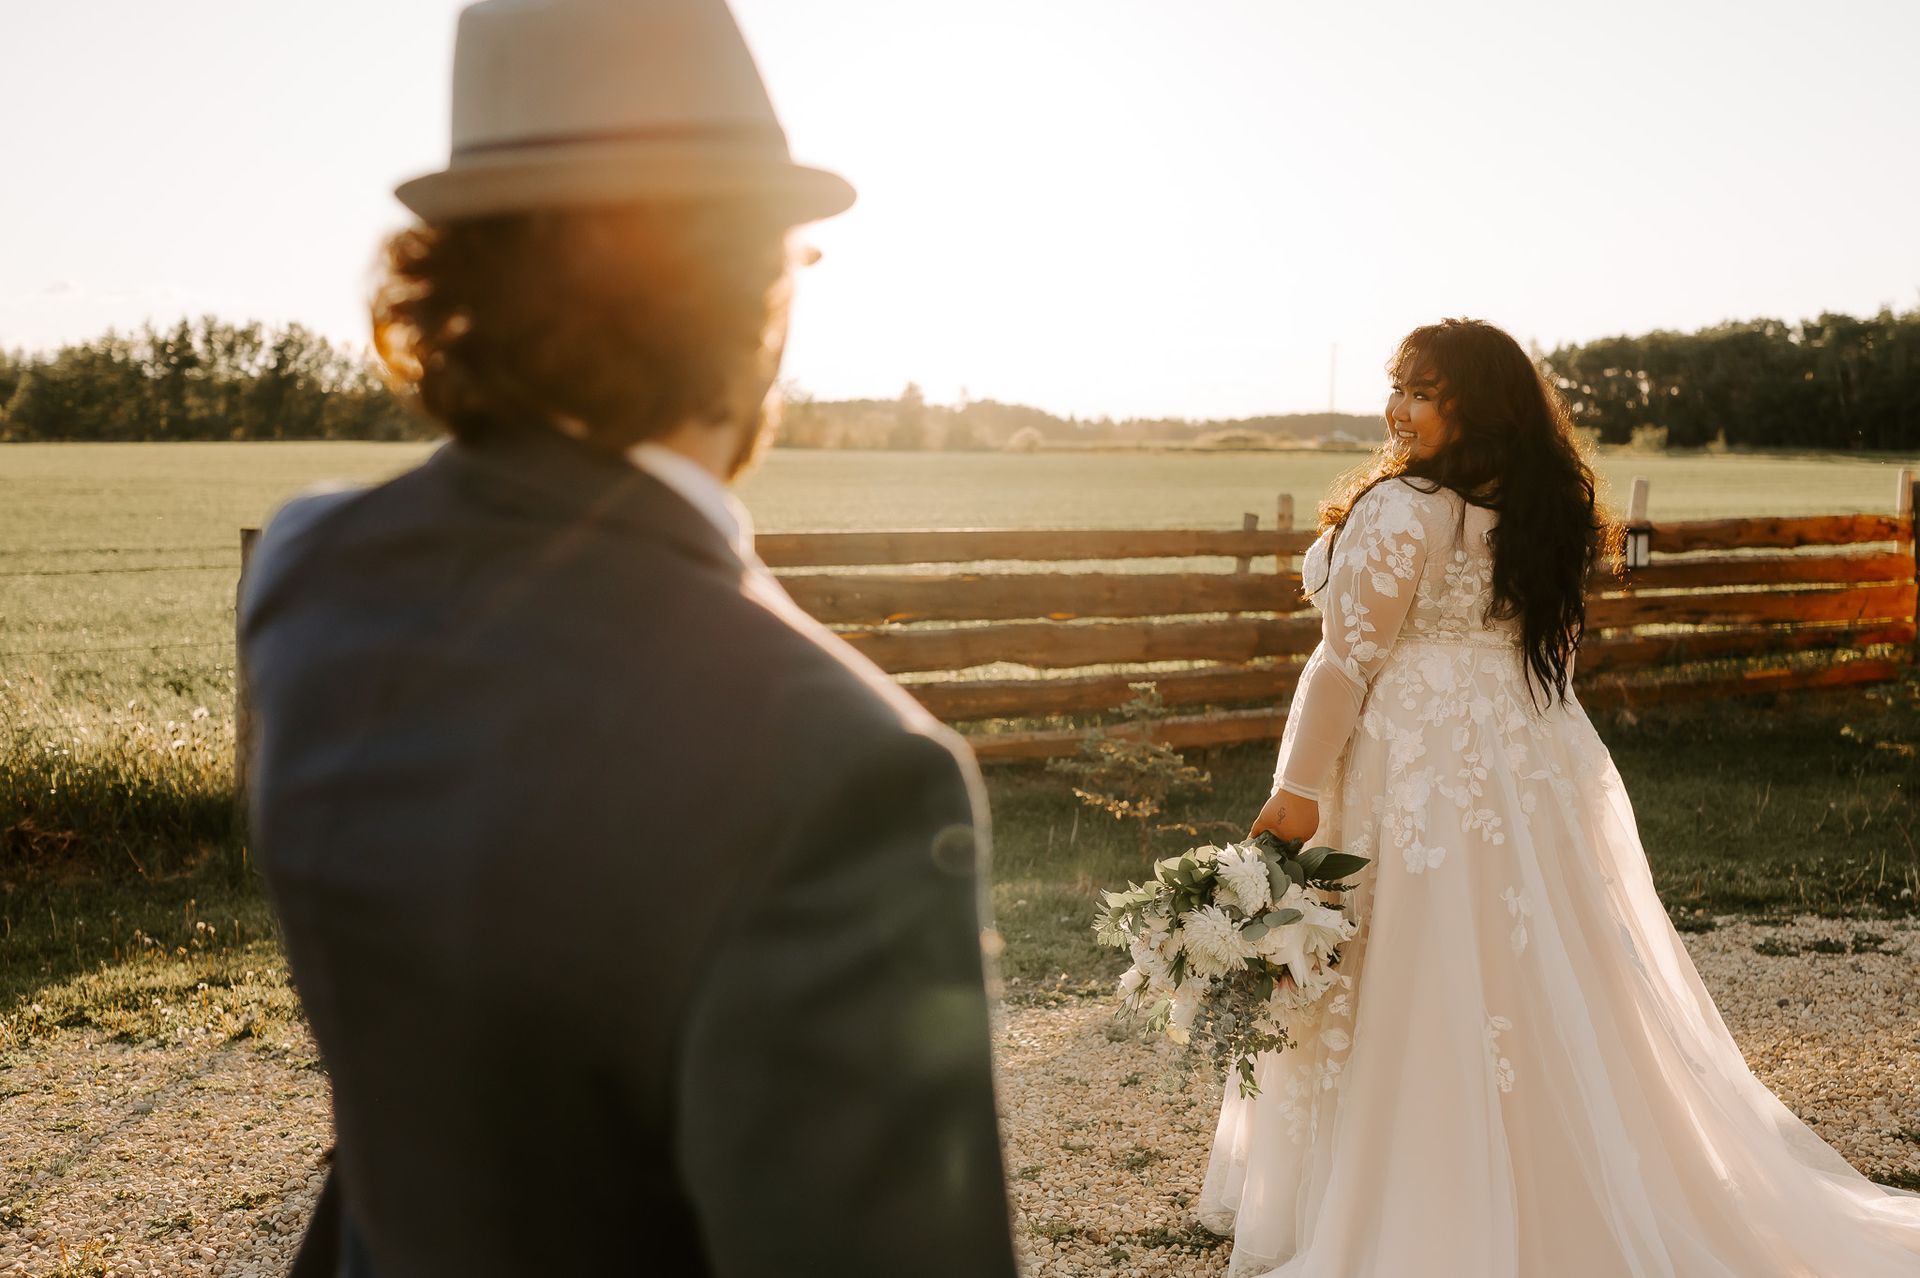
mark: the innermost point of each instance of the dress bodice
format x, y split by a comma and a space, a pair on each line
1453, 595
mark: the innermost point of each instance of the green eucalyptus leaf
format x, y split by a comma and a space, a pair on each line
1295, 872
1280, 918
1255, 930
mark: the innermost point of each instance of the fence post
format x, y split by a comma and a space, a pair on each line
242, 704
1639, 531
1906, 505
1249, 522
1283, 520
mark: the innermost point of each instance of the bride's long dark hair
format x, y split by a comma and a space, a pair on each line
1511, 450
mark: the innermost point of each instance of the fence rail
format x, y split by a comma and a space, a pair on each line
1754, 591
1709, 591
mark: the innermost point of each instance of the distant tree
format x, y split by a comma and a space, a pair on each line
99, 392
13, 369
175, 371
909, 420
803, 423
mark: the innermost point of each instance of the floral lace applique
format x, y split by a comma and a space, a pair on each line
1501, 1067
1519, 909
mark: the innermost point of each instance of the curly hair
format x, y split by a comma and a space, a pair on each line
1512, 450
629, 321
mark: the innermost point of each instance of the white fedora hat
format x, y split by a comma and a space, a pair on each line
566, 103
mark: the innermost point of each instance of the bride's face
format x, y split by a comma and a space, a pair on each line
1414, 419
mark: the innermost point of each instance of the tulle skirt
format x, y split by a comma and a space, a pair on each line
1523, 1075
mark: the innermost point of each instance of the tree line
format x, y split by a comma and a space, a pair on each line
974, 425
1832, 383
200, 381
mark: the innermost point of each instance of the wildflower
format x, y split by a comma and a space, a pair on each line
199, 713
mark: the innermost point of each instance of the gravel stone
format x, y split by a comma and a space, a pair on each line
207, 1158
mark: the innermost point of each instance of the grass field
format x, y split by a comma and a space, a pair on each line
118, 562
117, 568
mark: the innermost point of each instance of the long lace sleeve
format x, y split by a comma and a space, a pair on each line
1365, 588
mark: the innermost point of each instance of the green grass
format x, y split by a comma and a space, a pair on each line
182, 959
1745, 807
109, 828
118, 561
1801, 804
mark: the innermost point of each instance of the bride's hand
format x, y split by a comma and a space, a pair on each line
1289, 817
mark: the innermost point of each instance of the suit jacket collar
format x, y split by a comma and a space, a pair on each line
545, 473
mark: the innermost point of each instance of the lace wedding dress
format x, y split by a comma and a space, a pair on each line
1522, 1075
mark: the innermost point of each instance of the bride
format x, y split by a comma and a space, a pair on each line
1523, 1075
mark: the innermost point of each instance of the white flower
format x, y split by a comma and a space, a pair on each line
1324, 928
1519, 907
1285, 944
1411, 792
1501, 1066
1214, 945
1437, 670
1186, 1006
1420, 860
1132, 982
1336, 1038
1244, 876
1149, 961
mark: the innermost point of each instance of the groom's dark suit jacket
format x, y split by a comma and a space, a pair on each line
637, 918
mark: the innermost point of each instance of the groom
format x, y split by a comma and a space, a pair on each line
636, 917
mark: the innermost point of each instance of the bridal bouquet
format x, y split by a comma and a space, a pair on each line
1229, 944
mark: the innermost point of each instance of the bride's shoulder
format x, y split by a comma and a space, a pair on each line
1406, 504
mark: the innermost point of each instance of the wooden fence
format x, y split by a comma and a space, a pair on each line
1055, 625
989, 625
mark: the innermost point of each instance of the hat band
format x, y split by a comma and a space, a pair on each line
768, 135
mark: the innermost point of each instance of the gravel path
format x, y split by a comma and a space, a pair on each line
205, 1160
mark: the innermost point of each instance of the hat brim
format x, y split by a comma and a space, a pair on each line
517, 181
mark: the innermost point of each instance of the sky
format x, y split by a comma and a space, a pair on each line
1191, 208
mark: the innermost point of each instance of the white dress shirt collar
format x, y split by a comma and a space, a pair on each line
701, 490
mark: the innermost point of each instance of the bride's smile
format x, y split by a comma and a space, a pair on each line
1414, 418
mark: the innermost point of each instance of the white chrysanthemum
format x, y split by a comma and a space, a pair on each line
1243, 875
1214, 945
